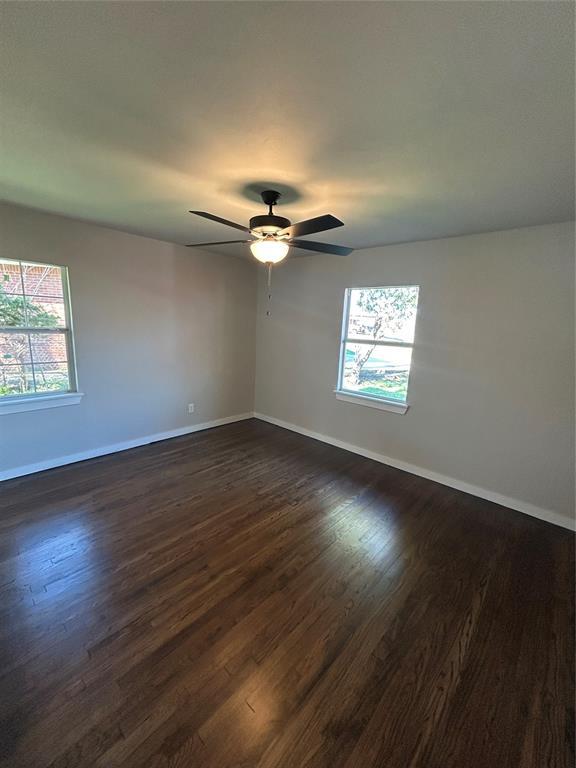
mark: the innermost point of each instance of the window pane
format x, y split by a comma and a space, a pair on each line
45, 312
11, 310
49, 348
10, 280
15, 368
386, 314
51, 376
16, 380
14, 349
42, 280
379, 371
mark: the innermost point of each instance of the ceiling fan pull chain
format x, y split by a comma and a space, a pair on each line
269, 289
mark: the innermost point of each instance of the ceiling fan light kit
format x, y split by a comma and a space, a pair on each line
273, 235
269, 251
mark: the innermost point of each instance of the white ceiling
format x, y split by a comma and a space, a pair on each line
408, 120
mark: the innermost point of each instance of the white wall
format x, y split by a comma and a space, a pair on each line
156, 326
492, 384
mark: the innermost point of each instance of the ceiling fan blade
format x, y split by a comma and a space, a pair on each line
310, 245
310, 226
220, 220
222, 242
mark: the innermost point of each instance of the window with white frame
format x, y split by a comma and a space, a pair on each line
377, 339
36, 346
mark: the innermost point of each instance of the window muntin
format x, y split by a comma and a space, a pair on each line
36, 349
377, 340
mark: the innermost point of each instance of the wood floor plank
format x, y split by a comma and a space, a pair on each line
246, 597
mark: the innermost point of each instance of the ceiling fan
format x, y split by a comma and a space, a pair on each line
272, 236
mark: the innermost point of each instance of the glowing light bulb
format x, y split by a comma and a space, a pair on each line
269, 251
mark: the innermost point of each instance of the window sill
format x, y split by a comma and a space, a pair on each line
371, 402
39, 402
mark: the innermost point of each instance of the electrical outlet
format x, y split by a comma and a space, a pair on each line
190, 407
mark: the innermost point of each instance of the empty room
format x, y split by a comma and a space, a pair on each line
287, 384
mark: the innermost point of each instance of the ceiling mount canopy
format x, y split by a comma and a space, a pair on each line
272, 236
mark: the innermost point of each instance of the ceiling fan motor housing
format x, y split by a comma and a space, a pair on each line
268, 224
275, 234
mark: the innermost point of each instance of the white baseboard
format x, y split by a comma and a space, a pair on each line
505, 501
104, 450
547, 515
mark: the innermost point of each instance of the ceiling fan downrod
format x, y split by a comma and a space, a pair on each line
269, 224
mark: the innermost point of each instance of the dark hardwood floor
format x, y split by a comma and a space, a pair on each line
249, 597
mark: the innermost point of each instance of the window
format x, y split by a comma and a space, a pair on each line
376, 348
36, 349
